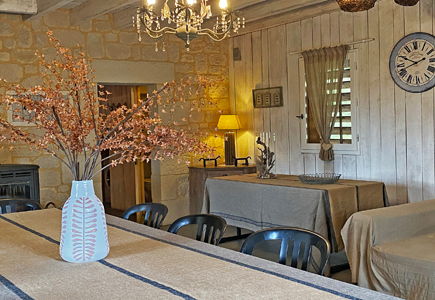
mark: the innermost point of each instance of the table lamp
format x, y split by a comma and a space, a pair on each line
229, 122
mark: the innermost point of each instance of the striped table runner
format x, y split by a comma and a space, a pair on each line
145, 263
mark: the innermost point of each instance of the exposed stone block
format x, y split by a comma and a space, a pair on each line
135, 52
69, 37
111, 37
128, 38
24, 56
40, 40
64, 188
201, 66
186, 57
95, 45
117, 51
86, 26
102, 26
184, 68
11, 72
25, 39
5, 29
218, 59
10, 43
22, 161
48, 162
174, 52
29, 69
5, 56
48, 195
49, 178
32, 81
149, 54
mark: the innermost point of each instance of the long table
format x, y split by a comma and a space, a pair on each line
146, 263
248, 202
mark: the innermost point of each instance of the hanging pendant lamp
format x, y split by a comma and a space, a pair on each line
355, 5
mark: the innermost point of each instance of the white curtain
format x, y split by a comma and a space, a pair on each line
324, 77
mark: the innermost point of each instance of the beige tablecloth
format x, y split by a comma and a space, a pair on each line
392, 249
248, 202
146, 263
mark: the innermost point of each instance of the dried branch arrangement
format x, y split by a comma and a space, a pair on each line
265, 161
72, 126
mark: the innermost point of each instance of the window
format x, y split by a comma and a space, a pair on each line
344, 136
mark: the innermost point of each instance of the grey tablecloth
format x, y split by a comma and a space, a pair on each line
247, 202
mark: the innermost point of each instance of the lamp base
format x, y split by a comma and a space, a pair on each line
230, 148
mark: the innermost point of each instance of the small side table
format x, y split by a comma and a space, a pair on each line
198, 175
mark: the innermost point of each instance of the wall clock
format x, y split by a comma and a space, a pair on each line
412, 62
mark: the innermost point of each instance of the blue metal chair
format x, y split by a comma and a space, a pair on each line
303, 242
11, 206
210, 230
155, 213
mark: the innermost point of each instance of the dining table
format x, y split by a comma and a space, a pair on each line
246, 201
147, 263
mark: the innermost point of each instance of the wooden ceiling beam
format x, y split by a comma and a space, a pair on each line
18, 6
95, 8
277, 7
291, 16
123, 19
46, 6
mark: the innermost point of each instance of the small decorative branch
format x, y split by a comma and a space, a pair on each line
265, 161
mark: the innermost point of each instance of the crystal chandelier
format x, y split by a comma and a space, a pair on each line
186, 21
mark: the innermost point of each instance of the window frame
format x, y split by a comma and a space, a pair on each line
352, 148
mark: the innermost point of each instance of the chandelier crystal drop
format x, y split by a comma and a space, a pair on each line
185, 19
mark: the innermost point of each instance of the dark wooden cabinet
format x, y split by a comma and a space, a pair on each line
198, 175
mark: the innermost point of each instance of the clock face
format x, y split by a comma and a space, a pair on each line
412, 62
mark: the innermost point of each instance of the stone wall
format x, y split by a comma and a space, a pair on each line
98, 38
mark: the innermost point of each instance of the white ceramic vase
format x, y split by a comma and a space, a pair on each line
84, 230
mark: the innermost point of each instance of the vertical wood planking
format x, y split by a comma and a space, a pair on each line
317, 43
375, 105
400, 111
413, 121
265, 67
296, 162
427, 111
388, 119
278, 77
307, 44
396, 128
346, 36
232, 90
363, 117
257, 78
244, 103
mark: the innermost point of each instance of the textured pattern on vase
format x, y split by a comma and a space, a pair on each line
84, 229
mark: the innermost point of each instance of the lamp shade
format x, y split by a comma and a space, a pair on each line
228, 122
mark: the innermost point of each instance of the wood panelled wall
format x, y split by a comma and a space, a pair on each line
396, 128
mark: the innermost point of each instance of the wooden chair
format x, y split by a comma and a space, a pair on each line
155, 213
210, 230
10, 206
303, 240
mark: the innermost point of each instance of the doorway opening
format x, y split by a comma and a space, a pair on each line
126, 184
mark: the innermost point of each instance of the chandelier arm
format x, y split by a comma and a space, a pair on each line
217, 37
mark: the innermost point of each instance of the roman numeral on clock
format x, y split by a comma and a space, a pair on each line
402, 65
431, 69
403, 73
430, 51
415, 44
409, 50
409, 79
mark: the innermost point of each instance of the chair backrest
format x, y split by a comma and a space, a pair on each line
210, 230
155, 213
302, 239
10, 206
